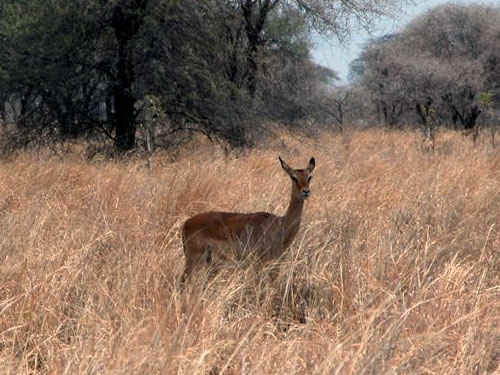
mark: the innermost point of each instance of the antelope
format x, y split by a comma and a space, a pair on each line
265, 235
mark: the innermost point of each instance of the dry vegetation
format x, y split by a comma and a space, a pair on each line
396, 267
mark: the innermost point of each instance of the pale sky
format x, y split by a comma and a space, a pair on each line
338, 58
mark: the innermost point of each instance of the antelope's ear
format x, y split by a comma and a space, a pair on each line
285, 166
312, 164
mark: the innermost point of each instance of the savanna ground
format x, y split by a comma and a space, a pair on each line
396, 269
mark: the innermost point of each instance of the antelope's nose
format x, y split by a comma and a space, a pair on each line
306, 193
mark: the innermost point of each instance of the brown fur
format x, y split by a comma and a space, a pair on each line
228, 234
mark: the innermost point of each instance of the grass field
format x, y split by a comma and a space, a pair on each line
396, 267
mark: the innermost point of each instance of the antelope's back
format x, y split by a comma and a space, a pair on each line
227, 225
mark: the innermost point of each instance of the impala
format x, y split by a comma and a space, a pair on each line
225, 234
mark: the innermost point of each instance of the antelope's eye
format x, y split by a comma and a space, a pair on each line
309, 178
295, 179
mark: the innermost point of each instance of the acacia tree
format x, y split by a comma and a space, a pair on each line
336, 104
45, 59
86, 65
379, 71
331, 18
457, 41
65, 59
439, 64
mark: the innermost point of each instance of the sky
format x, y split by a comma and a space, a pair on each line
337, 57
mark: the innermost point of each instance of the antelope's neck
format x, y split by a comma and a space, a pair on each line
291, 220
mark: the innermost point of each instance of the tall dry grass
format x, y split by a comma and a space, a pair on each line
396, 268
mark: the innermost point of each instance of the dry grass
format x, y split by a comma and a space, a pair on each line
396, 267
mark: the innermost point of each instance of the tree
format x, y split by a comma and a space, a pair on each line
126, 19
329, 17
379, 70
87, 65
336, 104
440, 64
457, 38
44, 59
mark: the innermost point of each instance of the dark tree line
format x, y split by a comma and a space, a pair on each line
116, 67
134, 70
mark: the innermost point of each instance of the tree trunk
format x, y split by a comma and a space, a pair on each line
124, 100
24, 108
125, 126
254, 24
127, 18
3, 112
252, 71
471, 118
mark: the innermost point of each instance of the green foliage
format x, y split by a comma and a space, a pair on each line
486, 99
287, 32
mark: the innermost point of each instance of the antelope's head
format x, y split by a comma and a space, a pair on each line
300, 178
